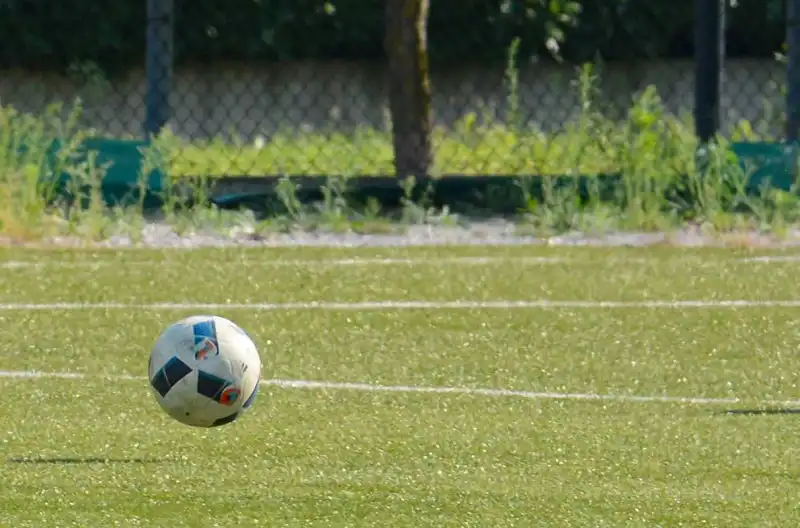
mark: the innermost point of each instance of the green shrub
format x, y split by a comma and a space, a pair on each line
57, 35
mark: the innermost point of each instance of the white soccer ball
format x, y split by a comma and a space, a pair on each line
204, 371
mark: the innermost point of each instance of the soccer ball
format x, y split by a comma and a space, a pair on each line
204, 371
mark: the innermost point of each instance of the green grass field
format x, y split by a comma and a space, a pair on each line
621, 419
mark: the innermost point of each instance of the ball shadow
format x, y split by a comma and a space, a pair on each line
83, 460
762, 412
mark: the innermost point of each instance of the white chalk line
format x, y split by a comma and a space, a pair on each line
767, 259
416, 389
377, 261
407, 305
410, 261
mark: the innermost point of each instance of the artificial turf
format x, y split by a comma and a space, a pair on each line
97, 451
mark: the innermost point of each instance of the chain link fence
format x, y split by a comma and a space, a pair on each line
304, 88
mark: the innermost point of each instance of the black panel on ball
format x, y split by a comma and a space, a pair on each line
170, 374
210, 386
225, 420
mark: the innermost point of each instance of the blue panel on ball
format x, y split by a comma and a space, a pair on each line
205, 330
251, 398
210, 385
170, 374
226, 420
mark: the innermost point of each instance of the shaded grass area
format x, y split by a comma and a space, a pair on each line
97, 451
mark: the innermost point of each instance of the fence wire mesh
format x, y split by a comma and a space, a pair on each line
305, 87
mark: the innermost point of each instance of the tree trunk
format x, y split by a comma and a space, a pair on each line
409, 87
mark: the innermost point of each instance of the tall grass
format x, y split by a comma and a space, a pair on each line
26, 158
665, 183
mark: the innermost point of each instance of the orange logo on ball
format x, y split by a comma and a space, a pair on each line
205, 349
229, 396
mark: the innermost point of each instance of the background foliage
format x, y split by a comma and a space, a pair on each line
47, 35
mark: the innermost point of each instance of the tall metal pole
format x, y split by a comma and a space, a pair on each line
793, 71
709, 39
158, 64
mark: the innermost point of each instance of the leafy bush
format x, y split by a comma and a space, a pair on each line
41, 34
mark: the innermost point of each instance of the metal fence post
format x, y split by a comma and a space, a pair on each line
793, 70
158, 64
709, 39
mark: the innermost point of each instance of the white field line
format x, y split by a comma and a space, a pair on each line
410, 261
406, 305
367, 261
415, 389
766, 259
